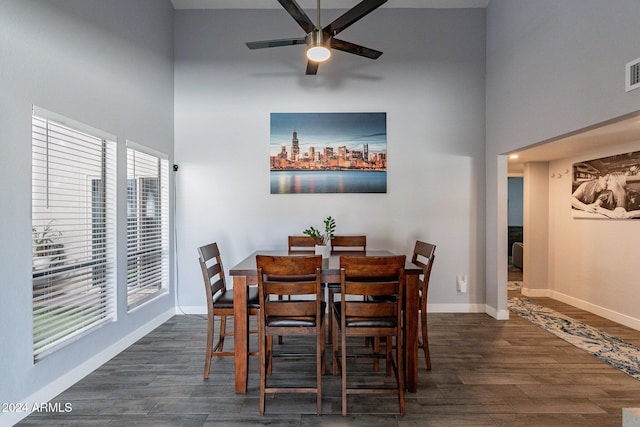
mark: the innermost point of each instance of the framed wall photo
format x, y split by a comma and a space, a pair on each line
608, 187
328, 153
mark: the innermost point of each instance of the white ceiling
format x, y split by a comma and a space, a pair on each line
326, 4
617, 131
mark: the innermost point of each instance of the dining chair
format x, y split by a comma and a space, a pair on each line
378, 285
300, 314
343, 245
424, 255
219, 302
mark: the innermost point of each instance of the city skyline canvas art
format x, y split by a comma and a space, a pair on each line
328, 153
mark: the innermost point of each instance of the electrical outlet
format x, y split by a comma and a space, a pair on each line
461, 283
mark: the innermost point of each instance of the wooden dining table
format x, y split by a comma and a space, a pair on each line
245, 274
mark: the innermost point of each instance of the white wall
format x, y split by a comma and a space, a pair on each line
108, 65
536, 228
593, 262
554, 67
429, 81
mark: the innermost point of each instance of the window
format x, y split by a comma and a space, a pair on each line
147, 224
73, 230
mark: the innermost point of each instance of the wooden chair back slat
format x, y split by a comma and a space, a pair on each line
288, 266
366, 267
286, 308
372, 288
212, 270
301, 244
352, 244
423, 254
370, 310
289, 288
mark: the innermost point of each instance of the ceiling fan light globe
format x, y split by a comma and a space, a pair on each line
318, 53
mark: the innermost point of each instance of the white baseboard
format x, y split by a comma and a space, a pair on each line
502, 315
614, 316
623, 319
536, 293
496, 314
192, 309
56, 387
431, 308
456, 308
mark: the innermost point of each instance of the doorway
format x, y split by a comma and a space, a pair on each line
515, 210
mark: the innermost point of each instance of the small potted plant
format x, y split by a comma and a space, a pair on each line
323, 239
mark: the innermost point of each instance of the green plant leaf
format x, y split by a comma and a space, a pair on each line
319, 237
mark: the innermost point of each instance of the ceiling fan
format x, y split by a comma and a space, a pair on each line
321, 40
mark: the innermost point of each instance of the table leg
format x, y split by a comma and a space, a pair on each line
412, 309
241, 332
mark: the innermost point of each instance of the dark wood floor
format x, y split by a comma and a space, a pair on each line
485, 373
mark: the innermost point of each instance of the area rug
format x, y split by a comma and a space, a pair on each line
608, 348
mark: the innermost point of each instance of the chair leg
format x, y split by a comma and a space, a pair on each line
425, 336
320, 343
269, 355
334, 346
280, 341
223, 331
400, 371
343, 363
331, 295
389, 355
263, 369
207, 362
323, 351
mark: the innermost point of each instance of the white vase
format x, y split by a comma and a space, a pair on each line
42, 262
324, 250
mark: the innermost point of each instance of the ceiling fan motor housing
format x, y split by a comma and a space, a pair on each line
316, 38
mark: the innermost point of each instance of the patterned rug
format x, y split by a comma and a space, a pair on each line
608, 348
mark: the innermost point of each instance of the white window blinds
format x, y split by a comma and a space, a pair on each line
73, 218
147, 225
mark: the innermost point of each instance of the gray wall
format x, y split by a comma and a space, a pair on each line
429, 81
110, 66
554, 67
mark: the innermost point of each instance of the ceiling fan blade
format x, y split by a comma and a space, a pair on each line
355, 49
352, 15
312, 68
274, 43
298, 14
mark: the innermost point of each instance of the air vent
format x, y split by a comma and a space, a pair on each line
632, 75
